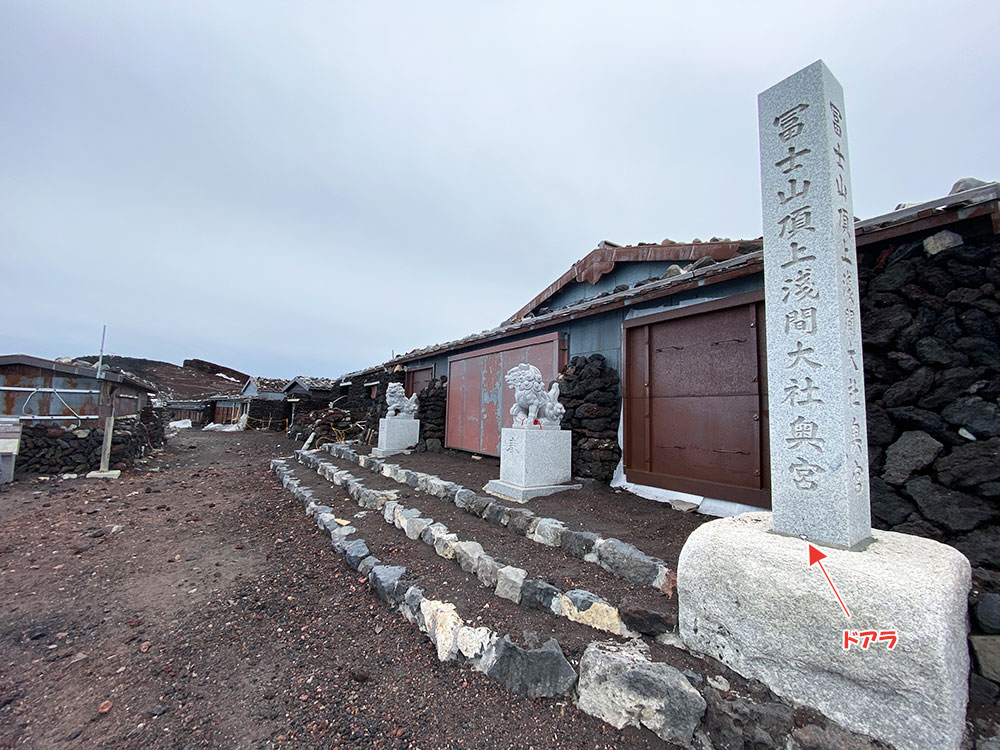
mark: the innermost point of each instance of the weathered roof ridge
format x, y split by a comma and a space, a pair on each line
269, 384
741, 265
74, 369
309, 381
602, 259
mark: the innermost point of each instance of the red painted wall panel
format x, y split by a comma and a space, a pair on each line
479, 400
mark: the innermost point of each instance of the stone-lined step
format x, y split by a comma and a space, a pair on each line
615, 556
507, 581
619, 683
535, 673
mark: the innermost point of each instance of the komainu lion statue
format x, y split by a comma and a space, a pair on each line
399, 405
533, 405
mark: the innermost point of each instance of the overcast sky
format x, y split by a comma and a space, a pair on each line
305, 188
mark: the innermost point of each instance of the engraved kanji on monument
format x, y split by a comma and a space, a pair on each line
819, 446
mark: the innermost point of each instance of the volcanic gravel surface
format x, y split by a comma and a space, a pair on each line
192, 604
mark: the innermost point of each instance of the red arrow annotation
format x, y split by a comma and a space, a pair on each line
815, 558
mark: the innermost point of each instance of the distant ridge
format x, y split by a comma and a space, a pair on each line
213, 369
175, 382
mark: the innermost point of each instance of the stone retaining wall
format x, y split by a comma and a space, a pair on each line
377, 408
156, 420
588, 388
431, 405
48, 449
269, 414
357, 400
616, 682
930, 318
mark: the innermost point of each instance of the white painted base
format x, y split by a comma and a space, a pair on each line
113, 474
396, 435
749, 598
7, 461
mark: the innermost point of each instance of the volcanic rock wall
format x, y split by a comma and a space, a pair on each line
431, 408
377, 407
930, 316
357, 399
155, 421
268, 414
588, 388
46, 449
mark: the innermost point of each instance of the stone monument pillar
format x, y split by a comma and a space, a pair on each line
884, 653
536, 456
398, 430
816, 388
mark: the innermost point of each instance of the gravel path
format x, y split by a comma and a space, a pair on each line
195, 606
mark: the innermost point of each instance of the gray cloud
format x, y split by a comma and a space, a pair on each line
306, 188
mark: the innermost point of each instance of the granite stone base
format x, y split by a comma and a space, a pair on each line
748, 597
535, 458
507, 491
533, 463
396, 435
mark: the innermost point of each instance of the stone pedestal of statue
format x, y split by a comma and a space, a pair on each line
533, 463
395, 435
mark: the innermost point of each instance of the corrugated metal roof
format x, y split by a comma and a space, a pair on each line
77, 370
358, 373
963, 202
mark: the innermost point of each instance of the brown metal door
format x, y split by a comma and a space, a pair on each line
225, 414
695, 401
479, 400
417, 380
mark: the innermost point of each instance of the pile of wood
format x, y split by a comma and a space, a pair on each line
329, 425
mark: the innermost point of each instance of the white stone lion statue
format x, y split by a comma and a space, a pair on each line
399, 405
534, 407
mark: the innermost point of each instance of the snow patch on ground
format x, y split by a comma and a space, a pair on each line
237, 427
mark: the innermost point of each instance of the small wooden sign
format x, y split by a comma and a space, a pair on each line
10, 436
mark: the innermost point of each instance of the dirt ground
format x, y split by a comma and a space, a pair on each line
191, 604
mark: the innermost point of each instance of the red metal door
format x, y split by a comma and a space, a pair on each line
479, 400
695, 401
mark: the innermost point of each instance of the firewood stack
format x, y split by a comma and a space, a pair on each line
329, 425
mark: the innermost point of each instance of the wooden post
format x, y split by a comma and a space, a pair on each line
109, 428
